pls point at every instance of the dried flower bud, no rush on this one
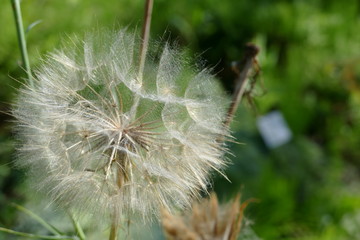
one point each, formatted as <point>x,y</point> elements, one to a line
<point>207,221</point>
<point>98,138</point>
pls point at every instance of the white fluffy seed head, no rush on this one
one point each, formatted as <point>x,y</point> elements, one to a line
<point>99,139</point>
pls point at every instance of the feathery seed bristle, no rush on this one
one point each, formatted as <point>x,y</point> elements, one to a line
<point>99,139</point>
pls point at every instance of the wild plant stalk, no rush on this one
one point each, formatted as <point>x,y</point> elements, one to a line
<point>113,231</point>
<point>145,35</point>
<point>21,38</point>
<point>242,80</point>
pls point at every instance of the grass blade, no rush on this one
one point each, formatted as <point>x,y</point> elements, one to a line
<point>29,235</point>
<point>37,218</point>
<point>78,228</point>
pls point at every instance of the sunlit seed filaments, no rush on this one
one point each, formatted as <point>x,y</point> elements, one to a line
<point>101,140</point>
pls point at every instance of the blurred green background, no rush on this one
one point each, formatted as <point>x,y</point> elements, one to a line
<point>308,188</point>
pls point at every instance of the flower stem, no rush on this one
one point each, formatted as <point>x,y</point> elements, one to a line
<point>113,231</point>
<point>145,35</point>
<point>115,221</point>
<point>21,38</point>
<point>242,80</point>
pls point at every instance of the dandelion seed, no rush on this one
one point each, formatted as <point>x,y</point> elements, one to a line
<point>99,139</point>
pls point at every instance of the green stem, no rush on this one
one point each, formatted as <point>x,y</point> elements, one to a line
<point>21,38</point>
<point>78,228</point>
<point>145,35</point>
<point>38,219</point>
<point>29,235</point>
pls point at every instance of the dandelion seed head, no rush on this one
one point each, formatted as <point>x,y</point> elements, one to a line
<point>99,138</point>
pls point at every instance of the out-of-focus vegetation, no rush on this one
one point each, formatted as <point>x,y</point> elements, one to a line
<point>310,59</point>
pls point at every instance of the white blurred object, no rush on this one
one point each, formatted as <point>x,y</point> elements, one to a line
<point>274,129</point>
